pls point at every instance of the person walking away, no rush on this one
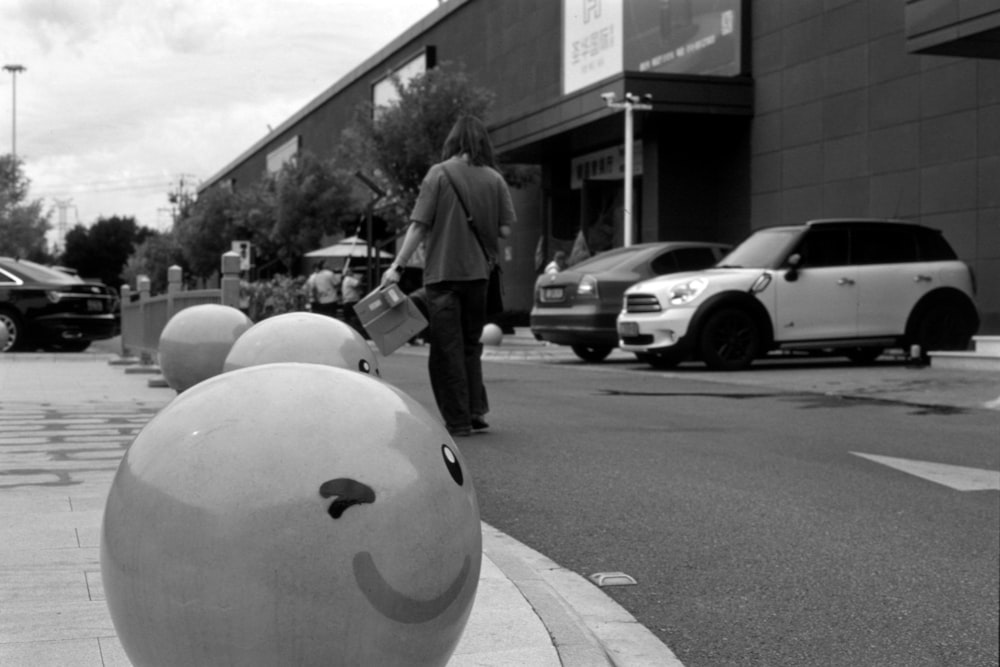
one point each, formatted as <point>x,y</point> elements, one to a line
<point>457,268</point>
<point>325,292</point>
<point>558,262</point>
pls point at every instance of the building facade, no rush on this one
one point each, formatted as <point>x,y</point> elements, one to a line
<point>745,114</point>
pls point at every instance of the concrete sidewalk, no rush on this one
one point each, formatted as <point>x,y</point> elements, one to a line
<point>65,420</point>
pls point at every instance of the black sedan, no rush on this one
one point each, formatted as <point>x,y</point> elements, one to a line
<point>47,308</point>
<point>578,306</point>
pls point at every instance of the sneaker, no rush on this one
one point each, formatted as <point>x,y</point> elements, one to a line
<point>479,424</point>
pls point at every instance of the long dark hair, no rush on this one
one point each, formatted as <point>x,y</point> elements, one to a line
<point>469,135</point>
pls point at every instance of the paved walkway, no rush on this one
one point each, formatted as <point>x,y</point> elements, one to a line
<point>65,420</point>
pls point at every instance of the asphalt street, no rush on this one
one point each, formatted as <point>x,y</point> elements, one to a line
<point>744,506</point>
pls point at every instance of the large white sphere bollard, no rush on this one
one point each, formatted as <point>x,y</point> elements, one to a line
<point>291,514</point>
<point>304,337</point>
<point>195,341</point>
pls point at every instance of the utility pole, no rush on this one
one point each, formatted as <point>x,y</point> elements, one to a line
<point>630,104</point>
<point>62,205</point>
<point>14,71</point>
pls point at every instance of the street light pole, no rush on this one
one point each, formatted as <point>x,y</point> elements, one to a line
<point>630,104</point>
<point>14,71</point>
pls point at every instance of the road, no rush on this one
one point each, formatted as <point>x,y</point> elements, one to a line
<point>756,531</point>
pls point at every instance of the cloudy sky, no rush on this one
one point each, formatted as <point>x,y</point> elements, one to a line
<point>121,99</point>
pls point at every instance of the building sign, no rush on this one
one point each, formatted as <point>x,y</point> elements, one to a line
<point>592,42</point>
<point>605,165</point>
<point>602,38</point>
<point>683,36</point>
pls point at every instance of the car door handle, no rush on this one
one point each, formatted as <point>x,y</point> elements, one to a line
<point>921,278</point>
<point>845,281</point>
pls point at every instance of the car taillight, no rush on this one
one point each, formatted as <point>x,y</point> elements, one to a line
<point>587,287</point>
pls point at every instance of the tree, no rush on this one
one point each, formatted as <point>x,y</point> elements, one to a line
<point>315,199</point>
<point>398,144</point>
<point>284,216</point>
<point>23,225</point>
<point>152,258</point>
<point>207,229</point>
<point>101,251</point>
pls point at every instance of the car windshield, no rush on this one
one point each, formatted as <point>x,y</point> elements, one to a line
<point>38,273</point>
<point>764,249</point>
<point>608,260</point>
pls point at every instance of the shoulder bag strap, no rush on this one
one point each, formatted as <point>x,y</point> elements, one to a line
<point>468,216</point>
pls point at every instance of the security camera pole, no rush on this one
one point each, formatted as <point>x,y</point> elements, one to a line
<point>14,71</point>
<point>630,104</point>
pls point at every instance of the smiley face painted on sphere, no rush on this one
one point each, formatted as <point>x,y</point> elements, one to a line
<point>380,593</point>
<point>306,338</point>
<point>327,512</point>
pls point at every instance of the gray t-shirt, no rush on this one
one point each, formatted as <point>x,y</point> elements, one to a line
<point>452,250</point>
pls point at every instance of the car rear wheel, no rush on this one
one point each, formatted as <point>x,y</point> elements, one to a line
<point>15,331</point>
<point>729,340</point>
<point>660,360</point>
<point>593,353</point>
<point>945,326</point>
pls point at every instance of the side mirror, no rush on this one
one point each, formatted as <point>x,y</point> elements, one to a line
<point>793,267</point>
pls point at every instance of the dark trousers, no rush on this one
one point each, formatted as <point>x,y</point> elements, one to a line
<point>456,316</point>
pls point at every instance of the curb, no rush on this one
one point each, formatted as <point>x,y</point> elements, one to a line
<point>588,628</point>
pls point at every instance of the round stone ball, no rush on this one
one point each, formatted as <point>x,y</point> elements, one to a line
<point>492,335</point>
<point>306,338</point>
<point>291,514</point>
<point>195,341</point>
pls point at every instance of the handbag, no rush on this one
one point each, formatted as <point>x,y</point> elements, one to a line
<point>494,288</point>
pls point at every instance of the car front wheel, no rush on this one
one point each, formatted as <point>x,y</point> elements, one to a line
<point>730,340</point>
<point>593,353</point>
<point>15,331</point>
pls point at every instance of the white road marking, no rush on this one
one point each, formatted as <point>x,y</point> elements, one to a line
<point>959,478</point>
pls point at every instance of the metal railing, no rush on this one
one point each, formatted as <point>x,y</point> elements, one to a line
<point>144,318</point>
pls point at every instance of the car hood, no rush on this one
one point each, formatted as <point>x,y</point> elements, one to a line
<point>730,278</point>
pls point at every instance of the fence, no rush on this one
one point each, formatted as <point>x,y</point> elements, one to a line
<point>143,319</point>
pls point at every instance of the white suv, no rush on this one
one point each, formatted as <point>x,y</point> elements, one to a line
<point>852,286</point>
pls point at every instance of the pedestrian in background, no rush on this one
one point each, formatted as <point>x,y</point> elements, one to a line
<point>324,290</point>
<point>351,292</point>
<point>558,262</point>
<point>460,251</point>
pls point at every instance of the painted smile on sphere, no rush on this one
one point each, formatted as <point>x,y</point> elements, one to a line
<point>380,593</point>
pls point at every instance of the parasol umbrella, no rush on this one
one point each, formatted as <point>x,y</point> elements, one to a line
<point>352,246</point>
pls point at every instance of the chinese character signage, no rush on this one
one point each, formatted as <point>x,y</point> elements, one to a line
<point>602,38</point>
<point>592,42</point>
<point>683,36</point>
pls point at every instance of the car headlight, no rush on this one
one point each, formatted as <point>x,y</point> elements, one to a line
<point>587,287</point>
<point>686,292</point>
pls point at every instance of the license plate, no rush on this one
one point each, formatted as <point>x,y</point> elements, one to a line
<point>95,306</point>
<point>552,293</point>
<point>628,329</point>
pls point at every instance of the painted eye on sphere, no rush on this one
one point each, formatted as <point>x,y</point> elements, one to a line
<point>451,462</point>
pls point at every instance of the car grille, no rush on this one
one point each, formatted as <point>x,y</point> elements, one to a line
<point>641,303</point>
